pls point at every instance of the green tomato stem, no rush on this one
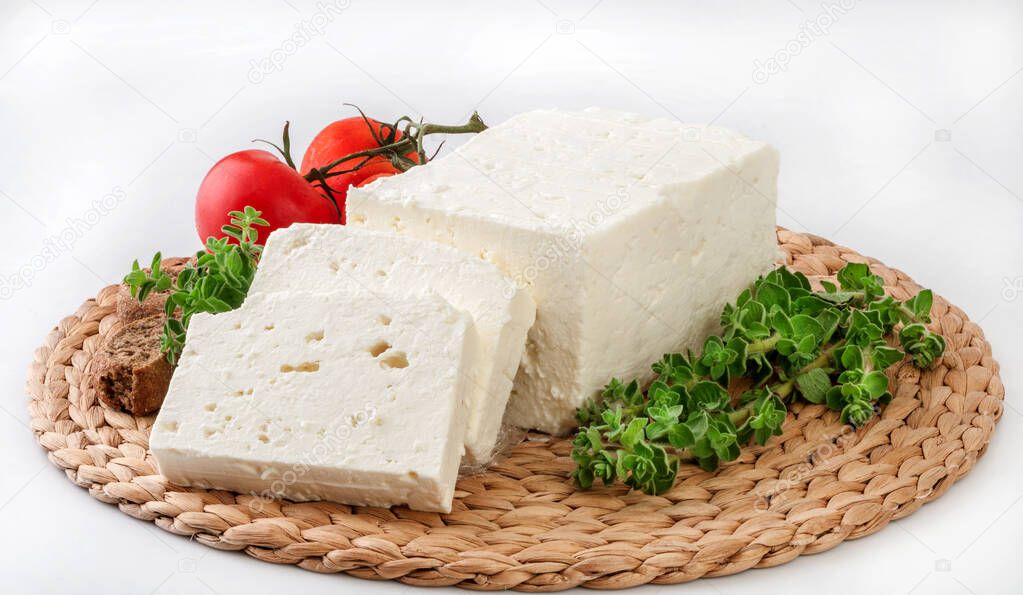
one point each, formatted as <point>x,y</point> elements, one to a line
<point>412,140</point>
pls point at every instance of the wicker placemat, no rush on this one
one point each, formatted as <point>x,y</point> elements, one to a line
<point>521,525</point>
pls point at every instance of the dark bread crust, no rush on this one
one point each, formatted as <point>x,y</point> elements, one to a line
<point>129,309</point>
<point>130,372</point>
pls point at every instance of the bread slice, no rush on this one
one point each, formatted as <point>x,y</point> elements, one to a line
<point>130,372</point>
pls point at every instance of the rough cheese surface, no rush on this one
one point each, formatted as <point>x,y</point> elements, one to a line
<point>331,396</point>
<point>629,232</point>
<point>330,257</point>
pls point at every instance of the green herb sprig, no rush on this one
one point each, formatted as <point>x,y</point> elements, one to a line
<point>217,281</point>
<point>787,341</point>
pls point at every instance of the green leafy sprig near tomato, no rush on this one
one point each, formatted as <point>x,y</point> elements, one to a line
<point>217,280</point>
<point>785,340</point>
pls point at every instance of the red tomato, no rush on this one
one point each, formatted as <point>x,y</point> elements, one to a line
<point>258,179</point>
<point>342,138</point>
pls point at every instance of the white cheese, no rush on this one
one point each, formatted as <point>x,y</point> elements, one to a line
<point>336,396</point>
<point>630,233</point>
<point>329,257</point>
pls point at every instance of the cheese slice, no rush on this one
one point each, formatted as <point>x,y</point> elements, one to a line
<point>629,232</point>
<point>338,396</point>
<point>329,257</point>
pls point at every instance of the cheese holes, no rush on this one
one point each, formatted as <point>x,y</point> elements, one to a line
<point>336,264</point>
<point>379,347</point>
<point>357,420</point>
<point>388,359</point>
<point>303,367</point>
<point>394,359</point>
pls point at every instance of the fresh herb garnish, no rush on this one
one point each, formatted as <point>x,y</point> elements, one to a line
<point>217,281</point>
<point>785,341</point>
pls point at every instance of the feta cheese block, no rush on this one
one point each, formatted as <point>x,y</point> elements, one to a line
<point>630,233</point>
<point>332,257</point>
<point>322,396</point>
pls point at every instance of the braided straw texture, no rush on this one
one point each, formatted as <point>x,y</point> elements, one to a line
<point>521,524</point>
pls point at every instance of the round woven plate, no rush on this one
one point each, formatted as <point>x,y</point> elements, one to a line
<point>521,524</point>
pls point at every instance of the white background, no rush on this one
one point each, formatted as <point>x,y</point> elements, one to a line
<point>899,126</point>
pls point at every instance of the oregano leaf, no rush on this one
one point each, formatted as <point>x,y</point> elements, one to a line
<point>813,385</point>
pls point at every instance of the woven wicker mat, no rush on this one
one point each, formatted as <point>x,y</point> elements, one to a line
<point>521,525</point>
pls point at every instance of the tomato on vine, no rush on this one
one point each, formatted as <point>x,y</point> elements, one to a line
<point>258,179</point>
<point>346,137</point>
<point>349,152</point>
